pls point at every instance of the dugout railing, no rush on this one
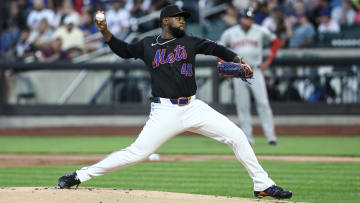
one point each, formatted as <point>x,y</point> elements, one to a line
<point>133,108</point>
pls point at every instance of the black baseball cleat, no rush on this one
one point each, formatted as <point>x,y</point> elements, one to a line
<point>272,143</point>
<point>68,180</point>
<point>275,192</point>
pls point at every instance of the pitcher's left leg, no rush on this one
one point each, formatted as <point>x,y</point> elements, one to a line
<point>263,108</point>
<point>206,121</point>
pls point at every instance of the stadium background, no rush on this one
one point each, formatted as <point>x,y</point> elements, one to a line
<point>58,89</point>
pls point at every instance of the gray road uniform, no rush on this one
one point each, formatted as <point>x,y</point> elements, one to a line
<point>250,45</point>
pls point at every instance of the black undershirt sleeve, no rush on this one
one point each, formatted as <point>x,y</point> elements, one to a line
<point>125,50</point>
<point>136,49</point>
<point>208,47</point>
<point>119,47</point>
<point>224,53</point>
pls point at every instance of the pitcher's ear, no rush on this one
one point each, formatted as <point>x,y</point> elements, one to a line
<point>164,21</point>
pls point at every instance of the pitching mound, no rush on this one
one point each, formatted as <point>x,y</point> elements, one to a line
<point>99,195</point>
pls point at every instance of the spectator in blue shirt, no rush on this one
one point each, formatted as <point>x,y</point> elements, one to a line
<point>303,34</point>
<point>88,26</point>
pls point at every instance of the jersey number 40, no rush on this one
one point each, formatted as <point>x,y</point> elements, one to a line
<point>187,70</point>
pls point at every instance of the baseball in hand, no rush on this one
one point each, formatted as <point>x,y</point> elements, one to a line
<point>99,17</point>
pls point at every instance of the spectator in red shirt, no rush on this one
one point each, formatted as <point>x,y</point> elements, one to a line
<point>53,53</point>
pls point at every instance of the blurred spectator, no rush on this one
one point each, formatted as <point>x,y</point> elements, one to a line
<point>281,30</point>
<point>53,52</point>
<point>335,3</point>
<point>230,17</point>
<point>38,13</point>
<point>327,25</point>
<point>88,27</point>
<point>282,17</point>
<point>158,4</point>
<point>78,5</point>
<point>241,4</point>
<point>261,11</point>
<point>12,24</point>
<point>138,8</point>
<point>344,14</point>
<point>23,47</point>
<point>118,19</point>
<point>303,34</point>
<point>318,92</point>
<point>287,6</point>
<point>14,16</point>
<point>300,9</point>
<point>275,22</point>
<point>271,21</point>
<point>25,8</point>
<point>357,17</point>
<point>9,39</point>
<point>53,4</point>
<point>66,9</point>
<point>70,35</point>
<point>320,5</point>
<point>41,36</point>
<point>82,6</point>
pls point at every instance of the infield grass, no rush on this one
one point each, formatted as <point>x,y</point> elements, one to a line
<point>310,182</point>
<point>335,146</point>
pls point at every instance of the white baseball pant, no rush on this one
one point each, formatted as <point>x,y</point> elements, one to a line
<point>166,121</point>
<point>243,105</point>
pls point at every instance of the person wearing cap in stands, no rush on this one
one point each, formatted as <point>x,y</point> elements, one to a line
<point>70,34</point>
<point>327,25</point>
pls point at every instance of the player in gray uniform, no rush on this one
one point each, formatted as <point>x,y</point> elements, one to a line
<point>247,40</point>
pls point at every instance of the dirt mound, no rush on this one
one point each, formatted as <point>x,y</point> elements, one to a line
<point>99,195</point>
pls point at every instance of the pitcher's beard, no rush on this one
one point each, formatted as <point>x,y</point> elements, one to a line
<point>176,32</point>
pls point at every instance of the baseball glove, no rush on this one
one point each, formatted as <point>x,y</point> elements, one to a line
<point>237,70</point>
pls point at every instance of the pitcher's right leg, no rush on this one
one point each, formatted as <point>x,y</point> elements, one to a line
<point>162,125</point>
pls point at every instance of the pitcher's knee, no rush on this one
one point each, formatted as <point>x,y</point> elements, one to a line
<point>237,137</point>
<point>242,138</point>
<point>136,155</point>
<point>139,156</point>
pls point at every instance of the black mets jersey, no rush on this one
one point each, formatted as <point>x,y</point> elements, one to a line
<point>171,62</point>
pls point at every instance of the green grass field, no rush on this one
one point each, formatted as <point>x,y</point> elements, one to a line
<point>335,146</point>
<point>310,182</point>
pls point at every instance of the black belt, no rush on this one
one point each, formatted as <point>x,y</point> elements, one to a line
<point>178,101</point>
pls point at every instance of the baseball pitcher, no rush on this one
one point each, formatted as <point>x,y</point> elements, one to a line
<point>170,59</point>
<point>247,40</point>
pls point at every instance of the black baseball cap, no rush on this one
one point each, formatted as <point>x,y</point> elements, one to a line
<point>247,13</point>
<point>172,11</point>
